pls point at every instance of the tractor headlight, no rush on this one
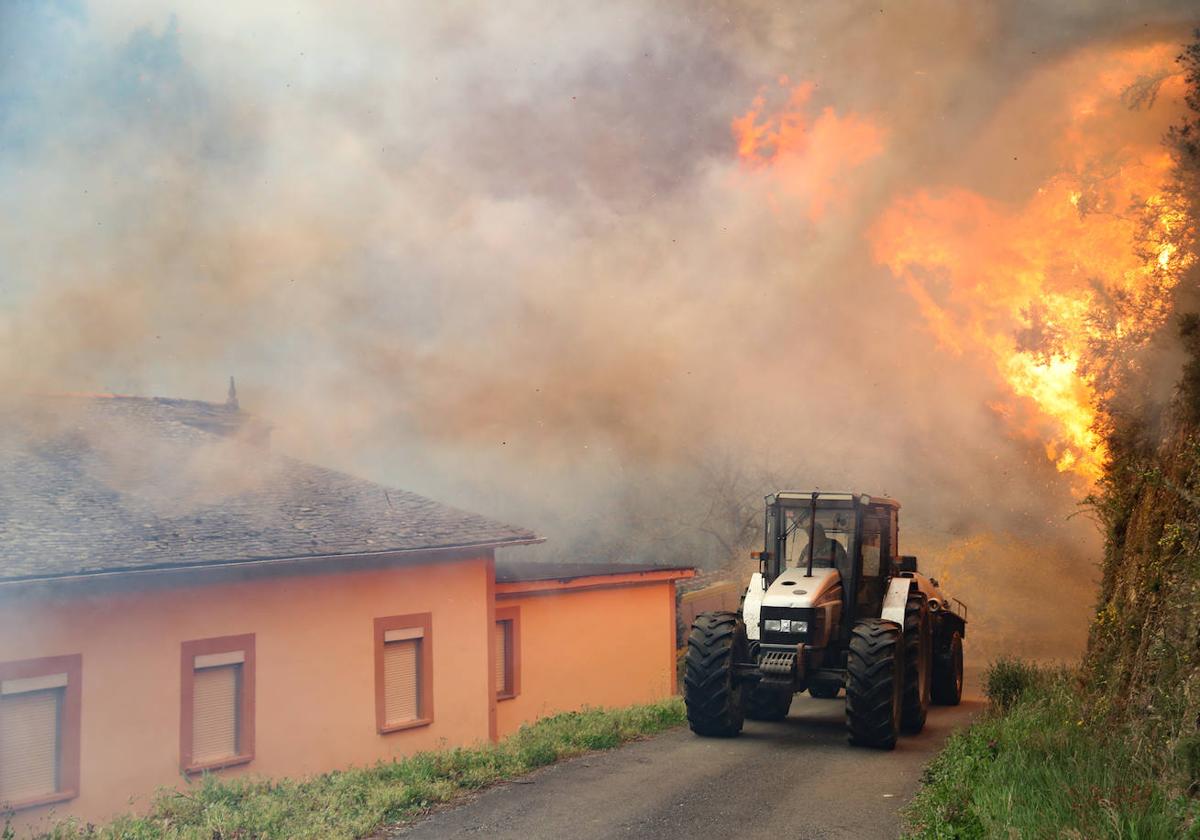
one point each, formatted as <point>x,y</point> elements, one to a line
<point>784,625</point>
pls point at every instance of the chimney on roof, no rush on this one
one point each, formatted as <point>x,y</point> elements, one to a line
<point>232,401</point>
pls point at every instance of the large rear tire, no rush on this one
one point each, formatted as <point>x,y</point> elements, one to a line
<point>875,678</point>
<point>948,673</point>
<point>712,696</point>
<point>767,704</point>
<point>918,656</point>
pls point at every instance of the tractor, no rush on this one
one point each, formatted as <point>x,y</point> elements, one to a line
<point>833,605</point>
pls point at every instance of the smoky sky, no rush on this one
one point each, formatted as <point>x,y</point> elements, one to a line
<point>505,254</point>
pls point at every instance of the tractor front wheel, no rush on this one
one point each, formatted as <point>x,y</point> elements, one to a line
<point>875,679</point>
<point>918,653</point>
<point>766,704</point>
<point>948,673</point>
<point>711,694</point>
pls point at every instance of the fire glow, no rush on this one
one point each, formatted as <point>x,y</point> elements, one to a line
<point>1046,287</point>
<point>807,157</point>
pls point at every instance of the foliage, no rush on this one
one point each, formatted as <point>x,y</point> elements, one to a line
<point>1189,383</point>
<point>1046,767</point>
<point>1113,751</point>
<point>1185,137</point>
<point>1009,679</point>
<point>358,802</point>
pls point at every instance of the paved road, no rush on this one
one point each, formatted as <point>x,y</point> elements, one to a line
<point>794,779</point>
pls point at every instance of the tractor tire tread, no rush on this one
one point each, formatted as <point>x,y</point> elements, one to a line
<point>947,678</point>
<point>711,697</point>
<point>916,698</point>
<point>870,683</point>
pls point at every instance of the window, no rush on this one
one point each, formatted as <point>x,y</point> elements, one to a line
<point>833,534</point>
<point>872,544</point>
<point>39,731</point>
<point>217,703</point>
<point>403,672</point>
<point>507,639</point>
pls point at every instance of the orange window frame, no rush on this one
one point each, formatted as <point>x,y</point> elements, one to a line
<point>424,621</point>
<point>511,616</point>
<point>70,716</point>
<point>187,674</point>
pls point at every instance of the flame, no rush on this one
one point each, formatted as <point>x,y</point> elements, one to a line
<point>806,157</point>
<point>1048,287</point>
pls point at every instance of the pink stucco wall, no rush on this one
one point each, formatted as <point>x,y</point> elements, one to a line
<point>603,646</point>
<point>315,668</point>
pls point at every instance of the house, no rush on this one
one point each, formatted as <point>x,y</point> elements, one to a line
<point>177,599</point>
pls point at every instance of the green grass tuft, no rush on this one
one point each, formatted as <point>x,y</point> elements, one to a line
<point>358,802</point>
<point>1008,680</point>
<point>1036,766</point>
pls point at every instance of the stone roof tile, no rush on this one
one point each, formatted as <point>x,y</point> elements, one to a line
<point>124,484</point>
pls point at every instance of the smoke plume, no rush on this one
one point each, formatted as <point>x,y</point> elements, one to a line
<point>519,256</point>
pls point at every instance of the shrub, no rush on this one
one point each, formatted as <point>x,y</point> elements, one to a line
<point>1008,680</point>
<point>1187,751</point>
<point>1040,770</point>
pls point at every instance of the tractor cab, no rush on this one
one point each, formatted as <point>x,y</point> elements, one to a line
<point>818,533</point>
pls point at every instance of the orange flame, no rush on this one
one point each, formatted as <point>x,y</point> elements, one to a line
<point>1045,288</point>
<point>1087,262</point>
<point>806,157</point>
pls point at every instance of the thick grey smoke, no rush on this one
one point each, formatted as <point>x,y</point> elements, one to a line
<point>504,254</point>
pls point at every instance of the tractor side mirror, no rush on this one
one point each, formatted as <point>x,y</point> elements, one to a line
<point>763,558</point>
<point>908,563</point>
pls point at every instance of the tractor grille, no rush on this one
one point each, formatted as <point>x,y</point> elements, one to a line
<point>777,663</point>
<point>795,614</point>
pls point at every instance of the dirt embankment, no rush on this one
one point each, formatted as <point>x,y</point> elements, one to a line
<point>1143,660</point>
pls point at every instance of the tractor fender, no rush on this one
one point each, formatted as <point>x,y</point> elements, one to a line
<point>896,600</point>
<point>752,604</point>
<point>952,610</point>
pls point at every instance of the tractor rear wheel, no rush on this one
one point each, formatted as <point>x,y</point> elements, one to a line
<point>712,696</point>
<point>766,704</point>
<point>824,690</point>
<point>948,673</point>
<point>918,653</point>
<point>875,678</point>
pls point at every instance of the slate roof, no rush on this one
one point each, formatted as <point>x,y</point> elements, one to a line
<point>516,571</point>
<point>121,484</point>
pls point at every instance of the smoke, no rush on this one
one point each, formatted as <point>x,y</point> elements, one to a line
<point>508,256</point>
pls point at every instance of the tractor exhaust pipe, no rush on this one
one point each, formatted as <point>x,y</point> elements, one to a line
<point>812,532</point>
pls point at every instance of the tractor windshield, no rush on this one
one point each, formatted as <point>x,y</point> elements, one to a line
<point>833,533</point>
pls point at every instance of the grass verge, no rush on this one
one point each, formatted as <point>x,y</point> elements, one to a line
<point>359,802</point>
<point>1035,766</point>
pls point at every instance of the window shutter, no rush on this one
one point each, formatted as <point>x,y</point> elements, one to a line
<point>29,744</point>
<point>401,660</point>
<point>216,695</point>
<point>502,655</point>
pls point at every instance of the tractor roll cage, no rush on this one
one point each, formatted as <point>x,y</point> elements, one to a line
<point>777,505</point>
<point>859,505</point>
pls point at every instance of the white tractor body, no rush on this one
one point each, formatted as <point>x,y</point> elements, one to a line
<point>833,607</point>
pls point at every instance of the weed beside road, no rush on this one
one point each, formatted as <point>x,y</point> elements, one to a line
<point>1039,765</point>
<point>359,802</point>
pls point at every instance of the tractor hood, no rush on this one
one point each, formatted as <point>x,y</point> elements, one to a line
<point>793,589</point>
